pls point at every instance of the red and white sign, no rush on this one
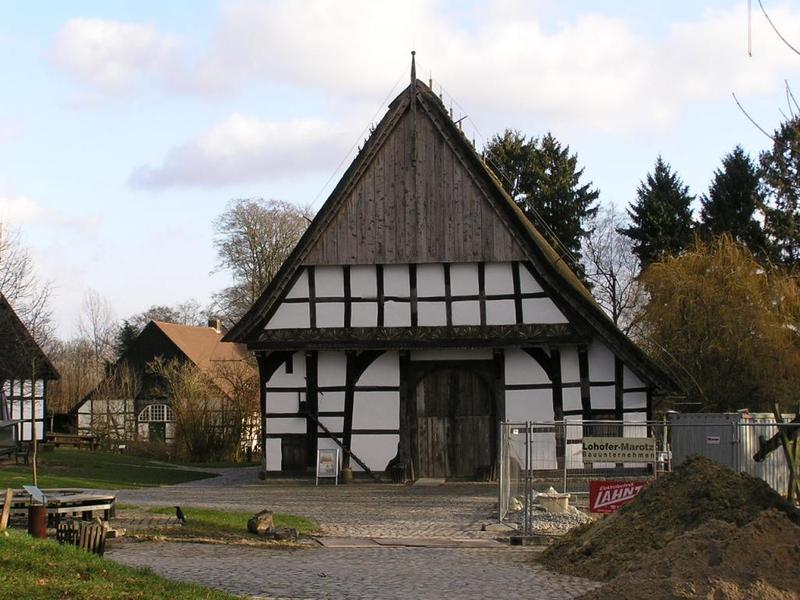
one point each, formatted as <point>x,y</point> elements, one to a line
<point>609,496</point>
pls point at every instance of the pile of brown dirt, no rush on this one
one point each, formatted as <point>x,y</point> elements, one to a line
<point>697,492</point>
<point>718,560</point>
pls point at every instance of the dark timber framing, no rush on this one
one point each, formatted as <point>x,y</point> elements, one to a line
<point>312,406</point>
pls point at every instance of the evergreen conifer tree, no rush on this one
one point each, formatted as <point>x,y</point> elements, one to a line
<point>732,202</point>
<point>780,173</point>
<point>543,178</point>
<point>661,219</point>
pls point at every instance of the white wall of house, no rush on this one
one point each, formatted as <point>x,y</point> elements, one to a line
<point>26,403</point>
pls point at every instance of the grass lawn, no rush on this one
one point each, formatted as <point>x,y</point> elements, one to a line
<point>205,522</point>
<point>69,467</point>
<point>45,570</point>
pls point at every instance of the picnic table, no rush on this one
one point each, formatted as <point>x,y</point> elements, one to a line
<point>66,502</point>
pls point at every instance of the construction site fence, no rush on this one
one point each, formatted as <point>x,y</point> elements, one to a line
<point>537,456</point>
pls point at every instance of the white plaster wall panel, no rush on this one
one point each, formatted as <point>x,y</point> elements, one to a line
<point>329,281</point>
<point>499,279</point>
<point>541,310</point>
<point>329,401</point>
<point>634,400</point>
<point>300,287</point>
<point>363,282</point>
<point>326,443</point>
<point>376,410</point>
<point>364,314</point>
<point>635,430</point>
<point>274,454</point>
<point>574,456</point>
<point>529,405</point>
<point>375,450</point>
<point>570,371</point>
<point>331,368</point>
<point>293,315</point>
<point>571,398</point>
<point>451,354</point>
<point>283,402</point>
<point>286,425</point>
<point>574,428</point>
<point>330,314</point>
<point>430,280</point>
<point>500,312</point>
<point>397,314</point>
<point>84,417</point>
<point>26,431</point>
<point>630,378</point>
<point>169,431</point>
<point>297,378</point>
<point>384,370</point>
<point>527,283</point>
<point>521,368</point>
<point>334,424</point>
<point>431,314</point>
<point>464,279</point>
<point>467,312</point>
<point>601,362</point>
<point>602,397</point>
<point>395,281</point>
<point>143,430</point>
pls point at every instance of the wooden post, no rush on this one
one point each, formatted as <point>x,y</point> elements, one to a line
<point>6,508</point>
<point>33,421</point>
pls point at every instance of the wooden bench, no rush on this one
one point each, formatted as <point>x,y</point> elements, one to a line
<point>71,439</point>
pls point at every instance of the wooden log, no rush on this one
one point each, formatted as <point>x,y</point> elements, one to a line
<point>765,446</point>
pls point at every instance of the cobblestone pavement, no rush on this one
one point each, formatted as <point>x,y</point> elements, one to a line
<point>348,512</point>
<point>345,573</point>
<point>355,510</point>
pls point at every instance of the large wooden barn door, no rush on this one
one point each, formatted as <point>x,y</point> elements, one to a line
<point>455,423</point>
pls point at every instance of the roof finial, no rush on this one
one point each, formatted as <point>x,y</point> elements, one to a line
<point>413,68</point>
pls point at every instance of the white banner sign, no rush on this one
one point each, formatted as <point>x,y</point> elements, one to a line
<point>618,449</point>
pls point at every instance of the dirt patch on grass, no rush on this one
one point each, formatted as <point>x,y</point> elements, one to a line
<point>697,492</point>
<point>718,560</point>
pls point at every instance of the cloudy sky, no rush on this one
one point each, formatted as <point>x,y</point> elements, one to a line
<point>125,127</point>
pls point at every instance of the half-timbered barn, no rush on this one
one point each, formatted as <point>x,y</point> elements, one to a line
<point>25,372</point>
<point>421,308</point>
<point>132,402</point>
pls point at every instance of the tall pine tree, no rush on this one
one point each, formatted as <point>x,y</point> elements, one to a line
<point>780,173</point>
<point>661,220</point>
<point>732,201</point>
<point>543,178</point>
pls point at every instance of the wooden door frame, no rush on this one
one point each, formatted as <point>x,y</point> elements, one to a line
<point>490,371</point>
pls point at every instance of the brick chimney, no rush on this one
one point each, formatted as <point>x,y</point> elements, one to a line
<point>216,325</point>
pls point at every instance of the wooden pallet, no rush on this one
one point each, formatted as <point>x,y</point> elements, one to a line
<point>86,535</point>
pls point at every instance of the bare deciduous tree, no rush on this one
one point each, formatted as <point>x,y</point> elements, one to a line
<point>612,268</point>
<point>253,238</point>
<point>75,361</point>
<point>27,294</point>
<point>113,417</point>
<point>98,326</point>
<point>209,423</point>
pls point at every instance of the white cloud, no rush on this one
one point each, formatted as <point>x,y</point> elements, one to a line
<point>593,71</point>
<point>18,210</point>
<point>243,148</point>
<point>113,56</point>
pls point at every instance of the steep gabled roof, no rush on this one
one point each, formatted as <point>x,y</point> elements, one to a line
<point>565,288</point>
<point>19,352</point>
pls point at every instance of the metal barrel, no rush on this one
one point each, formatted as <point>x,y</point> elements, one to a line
<point>37,521</point>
